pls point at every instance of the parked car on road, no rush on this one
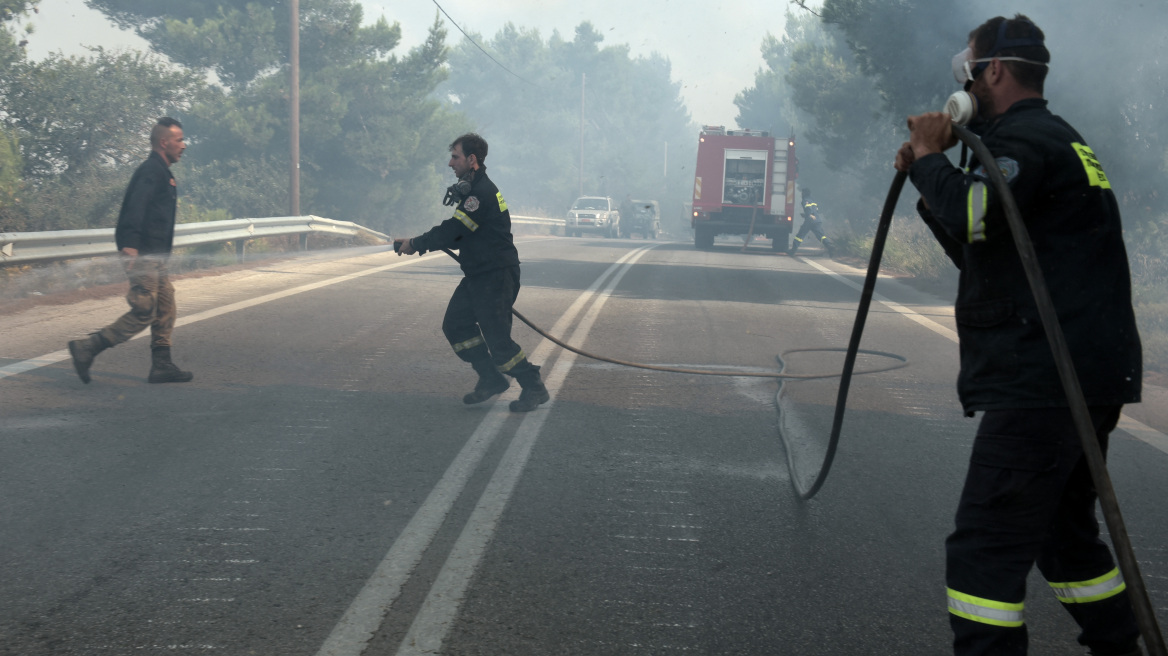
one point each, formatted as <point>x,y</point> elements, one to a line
<point>593,214</point>
<point>645,219</point>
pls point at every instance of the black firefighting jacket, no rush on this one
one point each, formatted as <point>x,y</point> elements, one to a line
<point>1073,220</point>
<point>480,229</point>
<point>146,221</point>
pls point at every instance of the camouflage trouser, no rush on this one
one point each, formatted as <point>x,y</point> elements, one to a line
<point>151,300</point>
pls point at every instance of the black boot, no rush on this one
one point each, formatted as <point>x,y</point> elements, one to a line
<point>533,394</point>
<point>165,371</point>
<point>491,382</point>
<point>84,351</point>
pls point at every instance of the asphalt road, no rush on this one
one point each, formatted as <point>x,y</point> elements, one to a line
<point>321,489</point>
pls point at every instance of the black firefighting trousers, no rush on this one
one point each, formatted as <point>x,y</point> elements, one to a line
<point>810,225</point>
<point>478,321</point>
<point>1029,499</point>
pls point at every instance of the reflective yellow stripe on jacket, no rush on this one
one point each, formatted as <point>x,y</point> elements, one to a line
<point>978,198</point>
<point>466,220</point>
<point>986,611</point>
<point>1097,589</point>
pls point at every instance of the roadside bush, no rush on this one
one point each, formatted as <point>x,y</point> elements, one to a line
<point>910,249</point>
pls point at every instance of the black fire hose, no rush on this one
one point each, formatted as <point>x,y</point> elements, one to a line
<point>1142,605</point>
<point>901,361</point>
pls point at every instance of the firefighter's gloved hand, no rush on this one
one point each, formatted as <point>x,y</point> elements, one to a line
<point>404,246</point>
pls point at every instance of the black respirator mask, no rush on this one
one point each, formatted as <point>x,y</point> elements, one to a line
<point>962,105</point>
<point>456,192</point>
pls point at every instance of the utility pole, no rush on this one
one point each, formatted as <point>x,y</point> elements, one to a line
<point>665,172</point>
<point>294,118</point>
<point>583,78</point>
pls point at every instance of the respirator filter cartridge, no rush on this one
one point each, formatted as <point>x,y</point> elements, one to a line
<point>961,107</point>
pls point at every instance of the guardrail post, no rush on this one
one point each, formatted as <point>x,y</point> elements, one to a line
<point>304,241</point>
<point>240,245</point>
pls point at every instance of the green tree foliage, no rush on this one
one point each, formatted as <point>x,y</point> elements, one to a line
<point>237,40</point>
<point>11,9</point>
<point>373,139</point>
<point>812,84</point>
<point>83,123</point>
<point>11,174</point>
<point>530,112</point>
<point>848,78</point>
<point>905,46</point>
<point>75,113</point>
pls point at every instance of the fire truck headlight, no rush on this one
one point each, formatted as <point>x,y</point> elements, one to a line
<point>695,214</point>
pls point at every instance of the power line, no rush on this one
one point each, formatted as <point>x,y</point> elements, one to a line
<point>468,38</point>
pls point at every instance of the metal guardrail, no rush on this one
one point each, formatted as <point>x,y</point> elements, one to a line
<point>75,244</point>
<point>535,220</point>
<point>25,247</point>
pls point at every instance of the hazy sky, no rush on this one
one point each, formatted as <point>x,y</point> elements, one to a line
<point>713,45</point>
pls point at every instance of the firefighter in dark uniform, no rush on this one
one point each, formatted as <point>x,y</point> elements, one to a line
<point>811,223</point>
<point>1028,496</point>
<point>144,237</point>
<point>478,317</point>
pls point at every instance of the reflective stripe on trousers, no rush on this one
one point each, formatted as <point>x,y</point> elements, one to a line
<point>985,611</point>
<point>510,364</point>
<point>1096,589</point>
<point>468,344</point>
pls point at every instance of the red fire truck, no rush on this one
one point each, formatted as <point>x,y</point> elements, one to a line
<point>744,184</point>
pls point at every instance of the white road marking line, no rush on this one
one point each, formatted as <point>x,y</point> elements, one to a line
<point>1144,433</point>
<point>944,331</point>
<point>356,627</point>
<point>58,356</point>
<point>434,620</point>
<point>1132,427</point>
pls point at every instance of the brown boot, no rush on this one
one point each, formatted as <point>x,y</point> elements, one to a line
<point>165,371</point>
<point>84,351</point>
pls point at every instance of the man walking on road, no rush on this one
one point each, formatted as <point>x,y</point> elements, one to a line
<point>1028,497</point>
<point>478,317</point>
<point>144,236</point>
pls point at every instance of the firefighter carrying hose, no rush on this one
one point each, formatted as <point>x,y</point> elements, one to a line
<point>811,223</point>
<point>1028,497</point>
<point>478,317</point>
